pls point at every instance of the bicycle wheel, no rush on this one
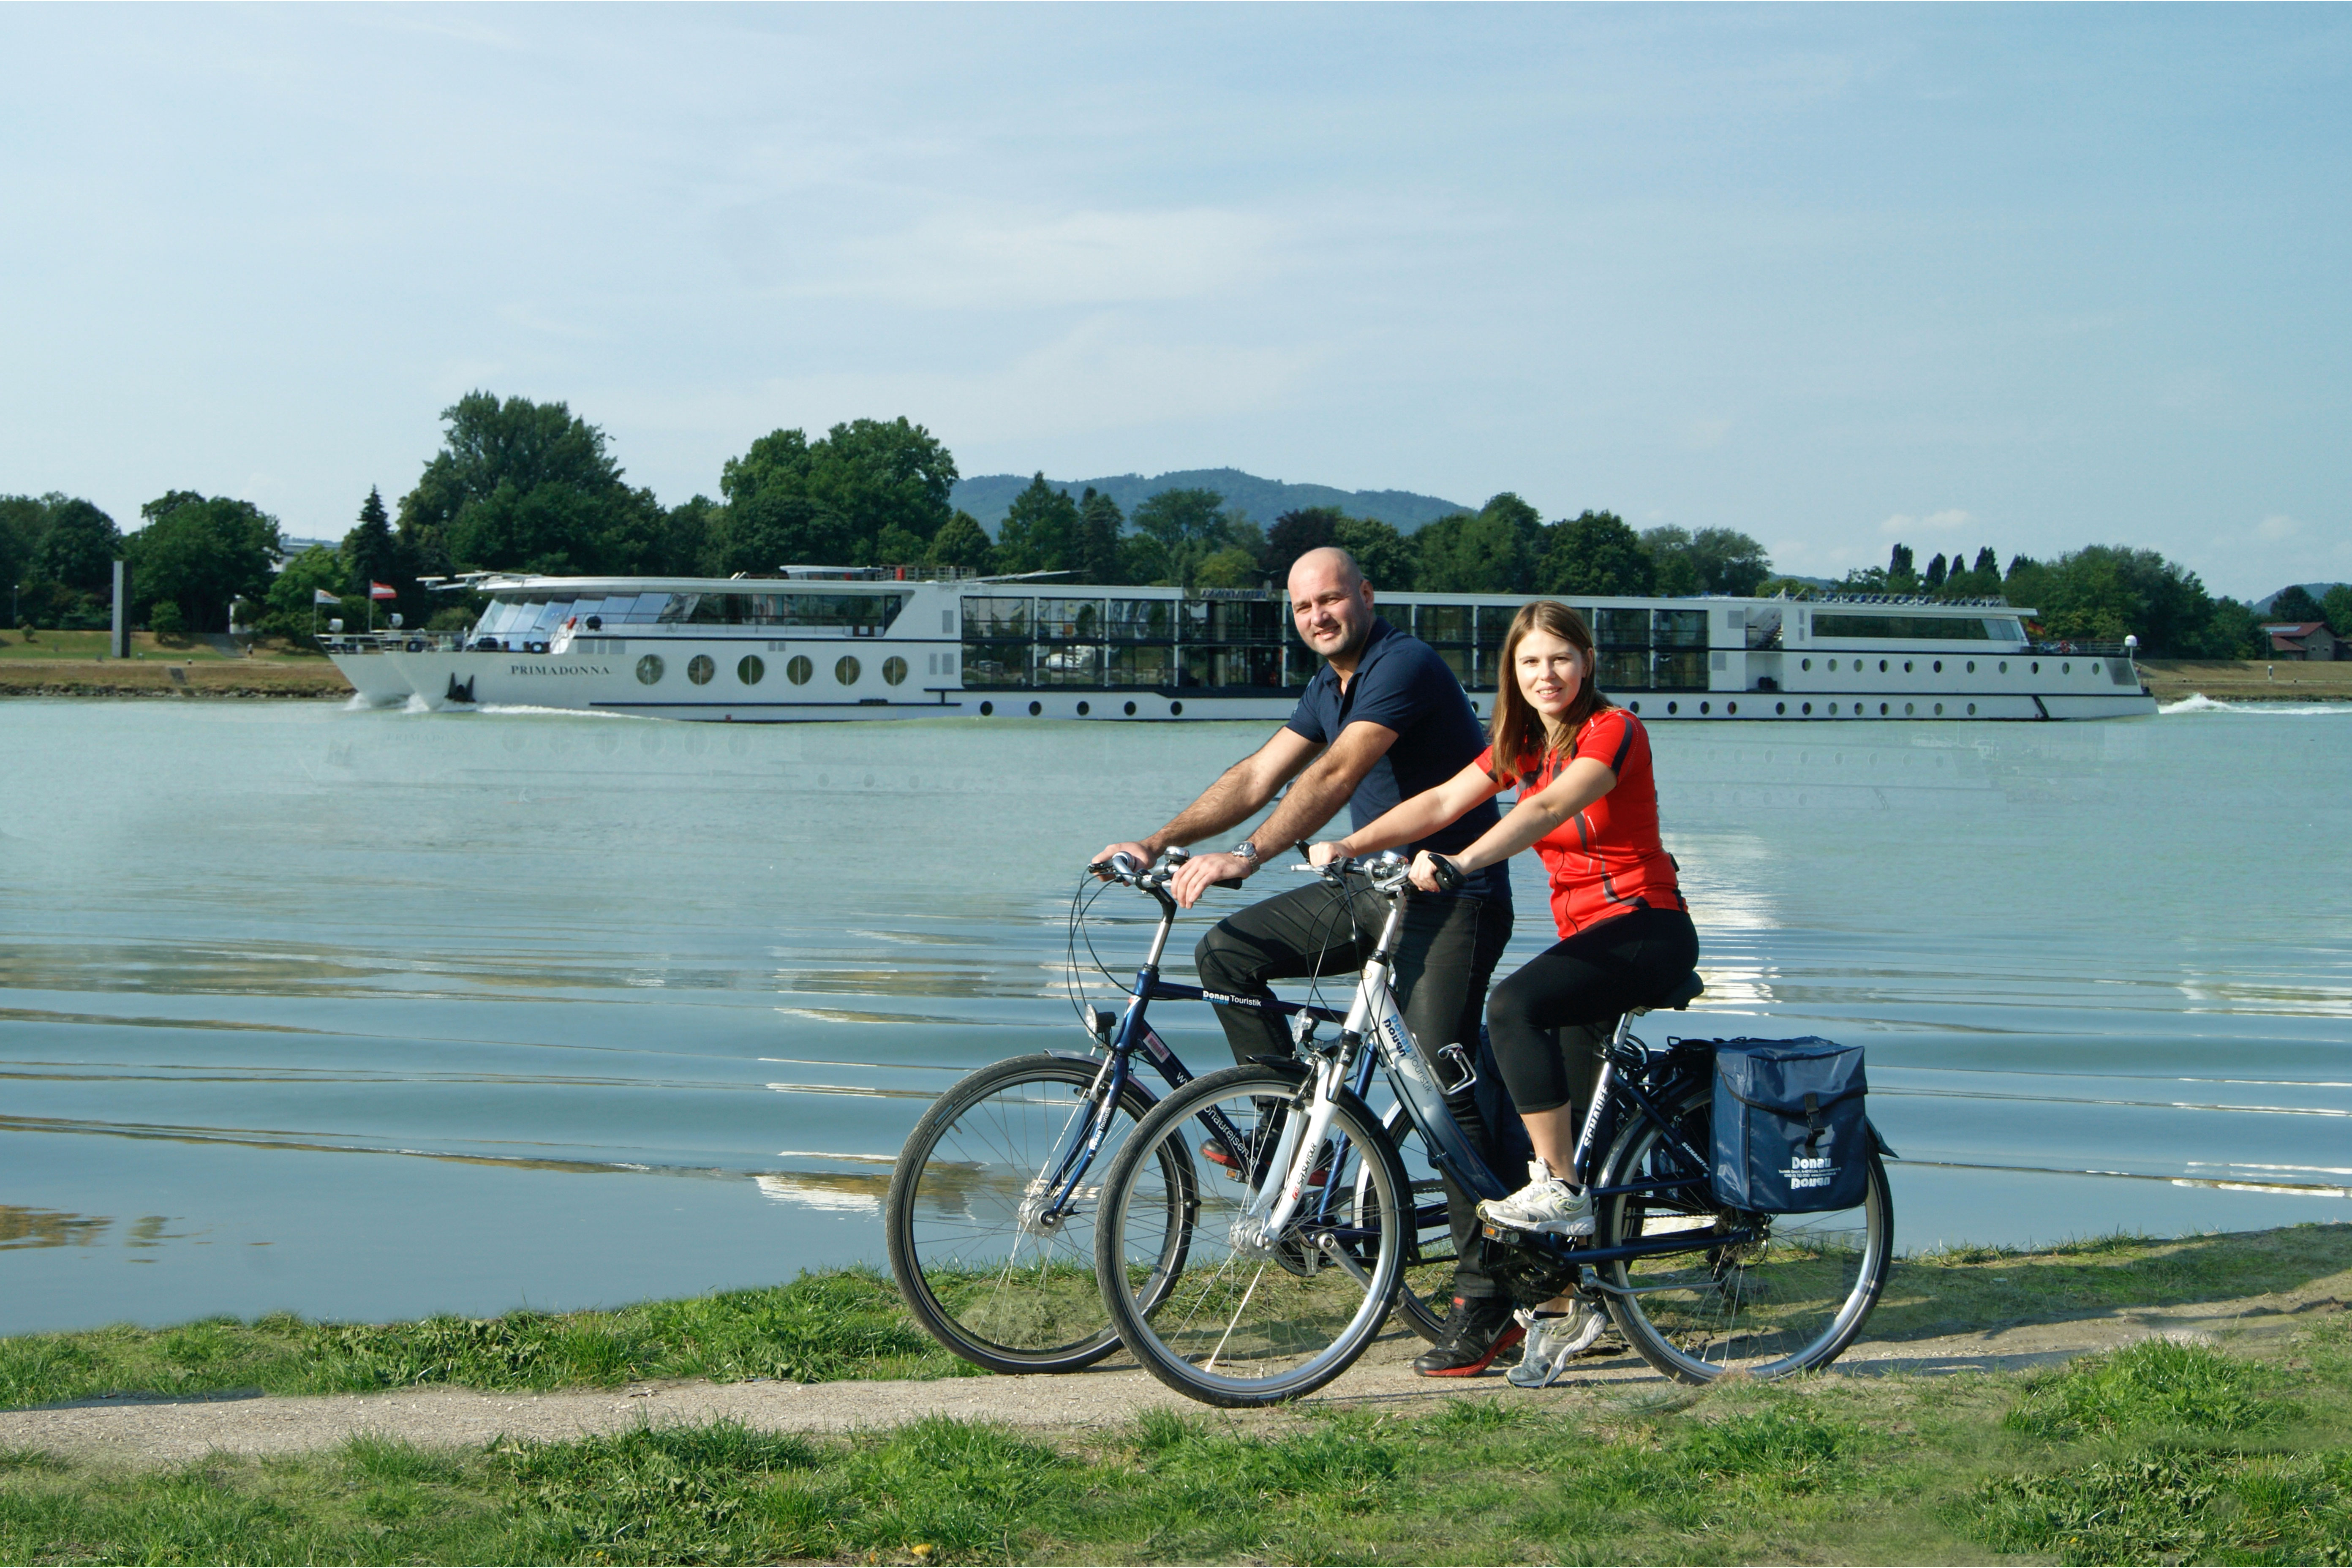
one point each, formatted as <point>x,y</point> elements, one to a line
<point>976,1268</point>
<point>1247,1320</point>
<point>1790,1301</point>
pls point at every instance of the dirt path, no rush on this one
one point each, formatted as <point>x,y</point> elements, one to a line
<point>145,1431</point>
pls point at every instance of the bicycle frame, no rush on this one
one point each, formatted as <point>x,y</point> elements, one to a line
<point>1134,1033</point>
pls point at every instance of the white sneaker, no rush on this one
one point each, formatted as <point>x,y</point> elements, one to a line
<point>1554,1339</point>
<point>1547,1206</point>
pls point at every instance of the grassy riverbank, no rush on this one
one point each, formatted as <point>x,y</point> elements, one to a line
<point>74,664</point>
<point>2162,1451</point>
<point>2248,680</point>
<point>2230,1448</point>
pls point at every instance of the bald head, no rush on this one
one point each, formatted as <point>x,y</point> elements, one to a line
<point>1331,606</point>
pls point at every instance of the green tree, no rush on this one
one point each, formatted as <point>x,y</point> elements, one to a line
<point>1669,549</point>
<point>291,598</point>
<point>22,522</point>
<point>1099,525</point>
<point>865,489</point>
<point>2337,607</point>
<point>2103,593</point>
<point>1470,553</point>
<point>1039,532</point>
<point>371,553</point>
<point>523,486</point>
<point>2295,602</point>
<point>78,547</point>
<point>1902,573</point>
<point>1232,567</point>
<point>1177,530</point>
<point>1937,570</point>
<point>684,543</point>
<point>199,553</point>
<point>1383,555</point>
<point>1297,532</point>
<point>961,541</point>
<point>1596,552</point>
<point>2233,632</point>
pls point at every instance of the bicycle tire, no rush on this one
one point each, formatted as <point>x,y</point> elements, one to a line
<point>1320,1294</point>
<point>1790,1302</point>
<point>953,1223</point>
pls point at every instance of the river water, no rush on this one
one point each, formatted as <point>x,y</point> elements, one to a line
<point>367,1014</point>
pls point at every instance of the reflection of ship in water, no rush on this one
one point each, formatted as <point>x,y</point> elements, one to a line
<point>859,1194</point>
<point>836,643</point>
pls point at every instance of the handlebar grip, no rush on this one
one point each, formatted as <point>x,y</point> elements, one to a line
<point>1229,882</point>
<point>1448,875</point>
<point>1124,864</point>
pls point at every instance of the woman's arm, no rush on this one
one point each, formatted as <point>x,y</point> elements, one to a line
<point>1579,785</point>
<point>1417,817</point>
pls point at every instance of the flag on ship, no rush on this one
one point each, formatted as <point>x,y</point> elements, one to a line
<point>382,591</point>
<point>321,596</point>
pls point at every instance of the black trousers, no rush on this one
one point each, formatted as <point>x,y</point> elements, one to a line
<point>1547,1059</point>
<point>1445,956</point>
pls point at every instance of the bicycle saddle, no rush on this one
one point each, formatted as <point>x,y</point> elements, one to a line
<point>1681,994</point>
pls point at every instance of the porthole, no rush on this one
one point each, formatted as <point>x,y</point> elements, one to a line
<point>1939,710</point>
<point>894,670</point>
<point>649,668</point>
<point>700,669</point>
<point>751,669</point>
<point>1703,707</point>
<point>1634,706</point>
<point>1131,710</point>
<point>1882,667</point>
<point>1882,710</point>
<point>1082,710</point>
<point>799,669</point>
<point>1035,708</point>
<point>1808,707</point>
<point>1805,664</point>
<point>846,670</point>
<point>2066,669</point>
<point>1832,710</point>
<point>1833,667</point>
<point>1176,709</point>
<point>1672,708</point>
<point>1906,667</point>
<point>1972,709</point>
<point>1940,666</point>
<point>986,708</point>
<point>2004,667</point>
<point>2037,667</point>
<point>1779,708</point>
<point>1731,708</point>
<point>1972,667</point>
<point>2095,668</point>
<point>1907,709</point>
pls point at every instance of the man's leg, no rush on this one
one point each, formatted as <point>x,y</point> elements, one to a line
<point>1306,930</point>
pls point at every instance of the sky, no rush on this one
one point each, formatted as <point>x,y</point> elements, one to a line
<point>2032,278</point>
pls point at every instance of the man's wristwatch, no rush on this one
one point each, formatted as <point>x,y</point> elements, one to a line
<point>1247,851</point>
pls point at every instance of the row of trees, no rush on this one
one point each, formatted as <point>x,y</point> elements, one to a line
<point>524,486</point>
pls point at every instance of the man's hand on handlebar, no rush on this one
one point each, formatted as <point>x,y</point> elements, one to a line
<point>1201,872</point>
<point>1137,852</point>
<point>1435,873</point>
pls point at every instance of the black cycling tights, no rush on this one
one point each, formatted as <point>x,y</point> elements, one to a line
<point>1591,977</point>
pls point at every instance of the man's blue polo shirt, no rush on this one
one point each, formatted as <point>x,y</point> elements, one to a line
<point>1401,684</point>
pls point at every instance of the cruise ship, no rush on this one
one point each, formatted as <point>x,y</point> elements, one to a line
<point>845,643</point>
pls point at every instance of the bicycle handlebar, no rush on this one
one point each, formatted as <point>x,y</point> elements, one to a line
<point>1149,878</point>
<point>1386,871</point>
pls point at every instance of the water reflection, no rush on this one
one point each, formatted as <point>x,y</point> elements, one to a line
<point>47,1228</point>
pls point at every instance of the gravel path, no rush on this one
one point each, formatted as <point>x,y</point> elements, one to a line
<point>137,1431</point>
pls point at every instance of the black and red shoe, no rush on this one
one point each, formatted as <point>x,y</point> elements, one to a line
<point>1477,1330</point>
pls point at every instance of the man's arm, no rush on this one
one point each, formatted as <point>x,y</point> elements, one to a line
<point>1313,801</point>
<point>1239,790</point>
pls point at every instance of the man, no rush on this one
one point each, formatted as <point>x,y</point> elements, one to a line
<point>1383,720</point>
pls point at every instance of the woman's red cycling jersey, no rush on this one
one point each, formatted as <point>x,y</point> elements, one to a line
<point>1606,860</point>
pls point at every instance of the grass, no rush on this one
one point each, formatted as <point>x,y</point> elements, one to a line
<point>838,1324</point>
<point>90,645</point>
<point>1825,1469</point>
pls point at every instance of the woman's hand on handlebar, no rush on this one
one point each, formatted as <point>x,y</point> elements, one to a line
<point>1321,855</point>
<point>1427,876</point>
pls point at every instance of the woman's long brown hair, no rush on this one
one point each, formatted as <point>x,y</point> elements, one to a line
<point>1518,731</point>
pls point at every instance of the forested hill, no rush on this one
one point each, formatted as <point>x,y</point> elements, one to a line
<point>988,496</point>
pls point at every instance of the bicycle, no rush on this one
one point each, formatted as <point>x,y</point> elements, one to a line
<point>1287,1278</point>
<point>991,1208</point>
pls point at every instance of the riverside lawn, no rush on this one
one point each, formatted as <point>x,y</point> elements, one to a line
<point>2235,1452</point>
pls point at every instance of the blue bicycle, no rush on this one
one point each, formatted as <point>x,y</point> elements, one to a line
<point>993,1200</point>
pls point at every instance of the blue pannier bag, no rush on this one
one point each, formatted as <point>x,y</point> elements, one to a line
<point>1790,1132</point>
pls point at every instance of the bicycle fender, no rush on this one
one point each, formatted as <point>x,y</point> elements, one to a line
<point>1135,1084</point>
<point>1880,1144</point>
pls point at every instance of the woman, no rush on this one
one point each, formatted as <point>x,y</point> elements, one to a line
<point>1589,807</point>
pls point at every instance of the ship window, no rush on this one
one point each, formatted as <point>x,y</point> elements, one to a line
<point>799,669</point>
<point>1972,709</point>
<point>2095,668</point>
<point>845,670</point>
<point>1622,628</point>
<point>2066,669</point>
<point>2004,667</point>
<point>1142,620</point>
<point>1808,707</point>
<point>649,668</point>
<point>1066,620</point>
<point>1807,664</point>
<point>988,620</point>
<point>1882,710</point>
<point>1673,707</point>
<point>1972,667</point>
<point>1906,667</point>
<point>1882,667</point>
<point>1940,666</point>
<point>1833,666</point>
<point>894,670</point>
<point>1442,623</point>
<point>1910,628</point>
<point>699,669</point>
<point>1908,710</point>
<point>751,669</point>
<point>1939,710</point>
<point>1681,628</point>
<point>2037,667</point>
<point>1779,708</point>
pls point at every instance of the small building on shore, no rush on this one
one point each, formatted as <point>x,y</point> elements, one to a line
<point>2306,640</point>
